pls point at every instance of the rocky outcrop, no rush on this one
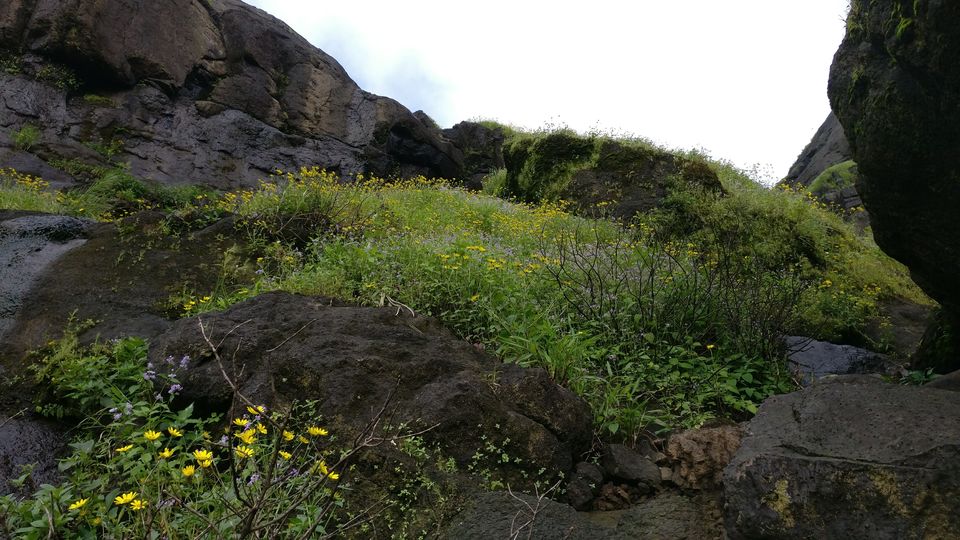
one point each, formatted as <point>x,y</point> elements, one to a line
<point>190,91</point>
<point>355,360</point>
<point>482,150</point>
<point>599,175</point>
<point>849,457</point>
<point>828,147</point>
<point>895,87</point>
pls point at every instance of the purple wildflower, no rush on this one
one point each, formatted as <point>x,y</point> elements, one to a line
<point>117,417</point>
<point>175,387</point>
<point>169,360</point>
<point>185,362</point>
<point>253,479</point>
<point>224,440</point>
<point>149,365</point>
<point>150,375</point>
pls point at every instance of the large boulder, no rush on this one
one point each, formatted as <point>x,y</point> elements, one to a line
<point>895,87</point>
<point>190,91</point>
<point>280,347</point>
<point>849,457</point>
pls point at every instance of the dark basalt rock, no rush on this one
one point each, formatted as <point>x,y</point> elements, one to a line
<point>849,457</point>
<point>827,148</point>
<point>812,359</point>
<point>352,359</point>
<point>895,87</point>
<point>218,93</point>
<point>482,150</point>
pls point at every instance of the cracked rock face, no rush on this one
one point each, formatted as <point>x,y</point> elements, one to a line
<point>849,457</point>
<point>213,92</point>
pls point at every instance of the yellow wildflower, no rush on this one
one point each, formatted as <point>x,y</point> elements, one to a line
<point>206,463</point>
<point>261,428</point>
<point>137,505</point>
<point>302,439</point>
<point>125,498</point>
<point>260,409</point>
<point>247,436</point>
<point>239,422</point>
<point>244,452</point>
<point>285,455</point>
<point>188,470</point>
<point>78,504</point>
<point>287,435</point>
<point>317,431</point>
<point>202,455</point>
<point>151,435</point>
<point>123,449</point>
<point>174,432</point>
<point>166,453</point>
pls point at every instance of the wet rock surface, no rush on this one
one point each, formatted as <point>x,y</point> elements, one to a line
<point>121,277</point>
<point>812,359</point>
<point>355,360</point>
<point>849,457</point>
<point>29,245</point>
<point>26,441</point>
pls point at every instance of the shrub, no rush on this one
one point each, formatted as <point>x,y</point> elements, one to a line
<point>26,137</point>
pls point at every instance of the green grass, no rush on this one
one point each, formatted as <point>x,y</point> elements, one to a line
<point>661,323</point>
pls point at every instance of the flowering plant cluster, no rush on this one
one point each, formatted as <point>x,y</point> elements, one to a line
<point>142,469</point>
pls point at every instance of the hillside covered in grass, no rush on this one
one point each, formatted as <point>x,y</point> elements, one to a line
<point>660,321</point>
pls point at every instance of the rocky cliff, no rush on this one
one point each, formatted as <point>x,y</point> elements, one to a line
<point>895,87</point>
<point>191,91</point>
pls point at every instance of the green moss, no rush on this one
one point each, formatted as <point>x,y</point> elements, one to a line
<point>539,166</point>
<point>835,178</point>
<point>779,501</point>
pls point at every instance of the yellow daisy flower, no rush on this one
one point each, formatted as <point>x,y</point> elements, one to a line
<point>285,455</point>
<point>243,452</point>
<point>166,453</point>
<point>174,432</point>
<point>188,470</point>
<point>202,455</point>
<point>137,505</point>
<point>78,504</point>
<point>125,498</point>
<point>123,449</point>
<point>302,439</point>
<point>257,411</point>
<point>247,436</point>
<point>151,435</point>
<point>317,431</point>
<point>239,422</point>
<point>262,429</point>
<point>206,463</point>
<point>287,435</point>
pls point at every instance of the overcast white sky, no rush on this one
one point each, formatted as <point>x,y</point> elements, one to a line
<point>745,80</point>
